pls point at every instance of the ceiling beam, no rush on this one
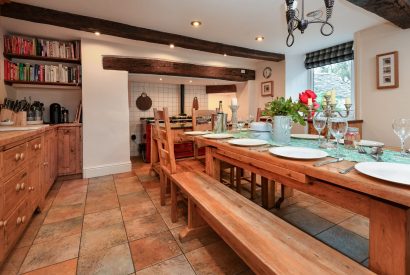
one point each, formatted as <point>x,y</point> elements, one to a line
<point>217,89</point>
<point>159,67</point>
<point>91,24</point>
<point>395,11</point>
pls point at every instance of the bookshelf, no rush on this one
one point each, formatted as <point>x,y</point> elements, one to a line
<point>31,61</point>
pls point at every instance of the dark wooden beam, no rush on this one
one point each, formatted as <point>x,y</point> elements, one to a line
<point>395,11</point>
<point>217,89</point>
<point>91,24</point>
<point>159,67</point>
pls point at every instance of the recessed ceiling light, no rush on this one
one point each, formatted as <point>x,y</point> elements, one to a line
<point>259,38</point>
<point>97,33</point>
<point>225,54</point>
<point>196,23</point>
<point>160,79</point>
<point>190,81</point>
<point>171,46</point>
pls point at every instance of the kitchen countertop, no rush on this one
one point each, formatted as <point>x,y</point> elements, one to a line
<point>9,137</point>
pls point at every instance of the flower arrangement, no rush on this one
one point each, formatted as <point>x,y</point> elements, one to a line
<point>308,97</point>
<point>286,107</point>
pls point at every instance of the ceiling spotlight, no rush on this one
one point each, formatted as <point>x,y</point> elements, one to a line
<point>171,46</point>
<point>190,81</point>
<point>160,79</point>
<point>97,33</point>
<point>225,54</point>
<point>259,38</point>
<point>196,23</point>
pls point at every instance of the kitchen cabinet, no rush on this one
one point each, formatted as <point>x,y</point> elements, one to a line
<point>69,150</point>
<point>49,173</point>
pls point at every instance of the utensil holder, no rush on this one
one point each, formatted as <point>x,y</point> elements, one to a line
<point>6,114</point>
<point>20,118</point>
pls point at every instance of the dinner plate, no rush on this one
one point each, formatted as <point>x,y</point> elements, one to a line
<point>196,133</point>
<point>298,152</point>
<point>305,136</point>
<point>247,142</point>
<point>393,172</point>
<point>365,143</point>
<point>217,136</point>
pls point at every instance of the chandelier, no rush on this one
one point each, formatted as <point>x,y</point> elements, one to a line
<point>292,14</point>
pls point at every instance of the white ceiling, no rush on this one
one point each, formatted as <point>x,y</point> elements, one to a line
<point>235,22</point>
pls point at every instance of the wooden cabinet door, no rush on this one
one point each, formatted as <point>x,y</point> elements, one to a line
<point>69,151</point>
<point>54,156</point>
<point>33,188</point>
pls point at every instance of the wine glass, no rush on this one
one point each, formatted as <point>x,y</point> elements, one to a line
<point>338,128</point>
<point>319,123</point>
<point>401,128</point>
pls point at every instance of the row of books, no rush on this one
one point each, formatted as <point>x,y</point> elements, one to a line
<point>41,73</point>
<point>20,45</point>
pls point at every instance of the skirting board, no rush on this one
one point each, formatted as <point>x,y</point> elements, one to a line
<point>108,169</point>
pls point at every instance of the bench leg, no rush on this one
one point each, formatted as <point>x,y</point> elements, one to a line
<point>238,179</point>
<point>285,192</point>
<point>232,176</point>
<point>268,193</point>
<point>196,227</point>
<point>253,185</point>
<point>174,202</point>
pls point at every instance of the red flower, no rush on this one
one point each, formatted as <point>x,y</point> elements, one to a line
<point>311,94</point>
<point>303,97</point>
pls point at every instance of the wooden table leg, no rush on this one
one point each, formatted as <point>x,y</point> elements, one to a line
<point>285,192</point>
<point>196,227</point>
<point>389,244</point>
<point>253,185</point>
<point>268,193</point>
<point>212,165</point>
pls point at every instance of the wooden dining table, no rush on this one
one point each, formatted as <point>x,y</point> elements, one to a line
<point>386,204</point>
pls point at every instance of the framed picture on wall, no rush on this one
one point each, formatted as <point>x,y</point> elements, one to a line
<point>388,70</point>
<point>267,88</point>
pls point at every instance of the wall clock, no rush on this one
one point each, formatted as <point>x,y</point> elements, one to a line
<point>267,72</point>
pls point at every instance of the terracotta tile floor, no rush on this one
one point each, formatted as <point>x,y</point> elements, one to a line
<point>116,225</point>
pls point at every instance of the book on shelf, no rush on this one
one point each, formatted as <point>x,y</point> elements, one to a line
<point>60,73</point>
<point>29,46</point>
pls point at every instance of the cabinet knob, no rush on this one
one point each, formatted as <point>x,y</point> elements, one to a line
<point>1,224</point>
<point>22,156</point>
<point>39,146</point>
<point>23,219</point>
<point>35,146</point>
<point>17,157</point>
<point>18,220</point>
<point>22,186</point>
<point>18,187</point>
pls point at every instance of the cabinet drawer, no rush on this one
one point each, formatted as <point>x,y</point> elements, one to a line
<point>15,190</point>
<point>35,147</point>
<point>15,224</point>
<point>13,158</point>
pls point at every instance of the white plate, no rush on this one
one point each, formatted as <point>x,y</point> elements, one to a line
<point>217,136</point>
<point>305,136</point>
<point>196,133</point>
<point>365,143</point>
<point>298,152</point>
<point>247,142</point>
<point>6,123</point>
<point>394,172</point>
<point>34,122</point>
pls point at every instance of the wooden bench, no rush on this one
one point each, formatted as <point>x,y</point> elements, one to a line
<point>266,243</point>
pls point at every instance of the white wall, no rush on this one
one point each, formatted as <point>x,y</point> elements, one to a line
<point>378,108</point>
<point>296,75</point>
<point>105,99</point>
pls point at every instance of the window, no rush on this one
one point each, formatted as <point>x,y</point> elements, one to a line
<point>339,77</point>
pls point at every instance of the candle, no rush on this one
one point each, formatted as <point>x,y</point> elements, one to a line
<point>329,93</point>
<point>333,101</point>
<point>334,93</point>
<point>234,101</point>
<point>348,101</point>
<point>324,103</point>
<point>310,102</point>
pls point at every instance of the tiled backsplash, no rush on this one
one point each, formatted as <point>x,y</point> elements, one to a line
<point>162,95</point>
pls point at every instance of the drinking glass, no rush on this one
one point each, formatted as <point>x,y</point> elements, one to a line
<point>338,128</point>
<point>401,128</point>
<point>319,123</point>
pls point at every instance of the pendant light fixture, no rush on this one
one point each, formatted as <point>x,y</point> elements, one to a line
<point>292,14</point>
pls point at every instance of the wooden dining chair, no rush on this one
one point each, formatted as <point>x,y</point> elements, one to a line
<point>204,114</point>
<point>165,147</point>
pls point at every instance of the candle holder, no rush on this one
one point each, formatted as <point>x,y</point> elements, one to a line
<point>234,119</point>
<point>329,111</point>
